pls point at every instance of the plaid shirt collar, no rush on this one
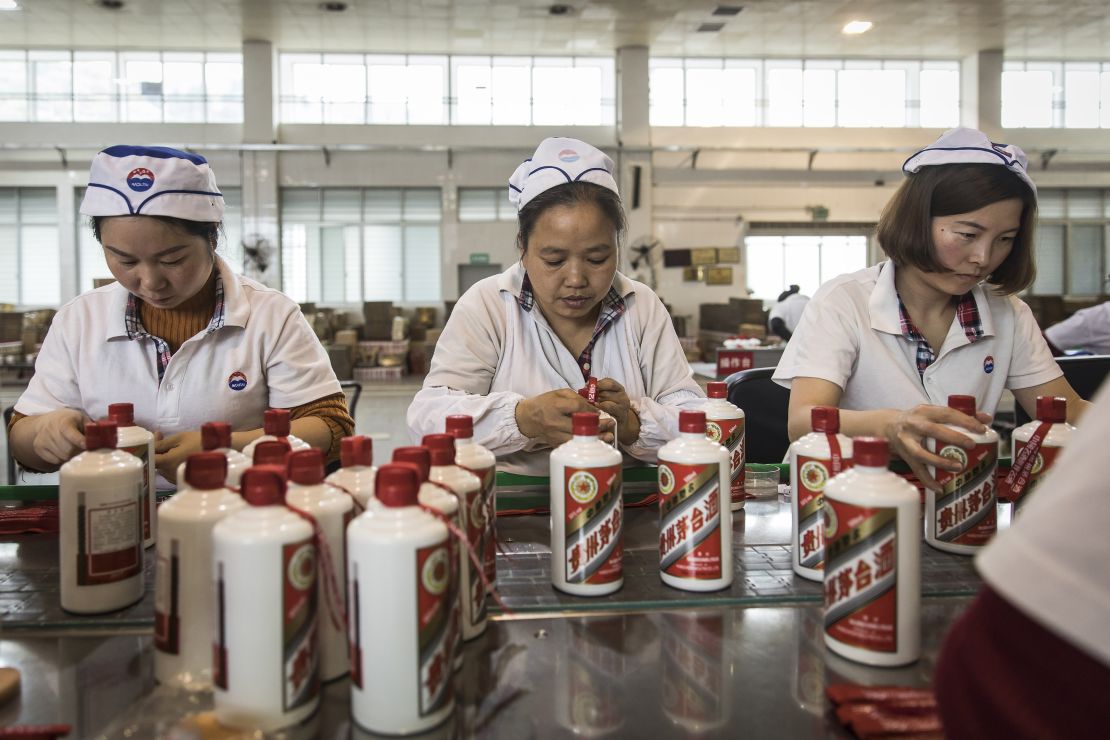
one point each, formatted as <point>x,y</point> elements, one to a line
<point>967,313</point>
<point>136,330</point>
<point>613,307</point>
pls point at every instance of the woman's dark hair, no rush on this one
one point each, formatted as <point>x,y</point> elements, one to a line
<point>905,230</point>
<point>208,230</point>
<point>787,293</point>
<point>570,194</point>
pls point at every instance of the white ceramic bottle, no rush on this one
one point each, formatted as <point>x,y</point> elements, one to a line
<point>1052,433</point>
<point>215,436</point>
<point>872,561</point>
<point>446,502</point>
<point>587,512</point>
<point>963,517</point>
<point>400,573</point>
<point>100,539</point>
<point>814,459</point>
<point>724,424</point>
<point>183,593</point>
<point>695,541</point>
<point>265,654</point>
<point>139,442</point>
<point>356,477</point>
<point>275,425</point>
<point>333,510</point>
<point>472,456</point>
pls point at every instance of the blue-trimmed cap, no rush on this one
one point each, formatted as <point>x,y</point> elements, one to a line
<point>559,160</point>
<point>152,181</point>
<point>971,146</point>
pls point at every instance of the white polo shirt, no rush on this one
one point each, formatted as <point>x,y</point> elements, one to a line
<point>850,335</point>
<point>265,355</point>
<point>493,353</point>
<point>1088,329</point>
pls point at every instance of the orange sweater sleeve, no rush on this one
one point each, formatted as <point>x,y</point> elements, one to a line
<point>333,410</point>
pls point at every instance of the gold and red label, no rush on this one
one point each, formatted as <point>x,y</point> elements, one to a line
<point>109,540</point>
<point>965,509</point>
<point>475,505</point>
<point>433,612</point>
<point>690,520</point>
<point>300,652</point>
<point>730,433</point>
<point>812,474</point>
<point>593,517</point>
<point>861,575</point>
<point>488,540</point>
<point>167,592</point>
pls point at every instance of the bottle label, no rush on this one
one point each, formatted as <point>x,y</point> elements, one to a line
<point>167,591</point>
<point>693,670</point>
<point>965,512</point>
<point>475,504</point>
<point>593,515</point>
<point>109,538</point>
<point>433,580</point>
<point>690,520</point>
<point>1046,458</point>
<point>730,433</point>
<point>812,474</point>
<point>488,476</point>
<point>861,575</point>
<point>143,453</point>
<point>219,647</point>
<point>301,681</point>
<point>354,626</point>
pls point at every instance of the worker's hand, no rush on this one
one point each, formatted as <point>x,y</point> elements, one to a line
<point>612,398</point>
<point>171,451</point>
<point>546,418</point>
<point>908,430</point>
<point>59,435</point>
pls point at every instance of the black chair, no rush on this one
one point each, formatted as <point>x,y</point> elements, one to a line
<point>1085,373</point>
<point>352,389</point>
<point>8,441</point>
<point>765,404</point>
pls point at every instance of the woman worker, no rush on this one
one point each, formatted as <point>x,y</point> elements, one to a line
<point>519,345</point>
<point>178,335</point>
<point>890,343</point>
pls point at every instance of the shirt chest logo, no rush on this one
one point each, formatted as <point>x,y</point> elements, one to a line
<point>988,364</point>
<point>237,381</point>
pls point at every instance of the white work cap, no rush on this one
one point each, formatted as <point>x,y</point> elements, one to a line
<point>970,146</point>
<point>557,161</point>
<point>152,181</point>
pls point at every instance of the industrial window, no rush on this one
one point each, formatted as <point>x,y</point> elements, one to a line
<point>815,93</point>
<point>30,259</point>
<point>347,245</point>
<point>1072,242</point>
<point>1056,95</point>
<point>485,204</point>
<point>124,86</point>
<point>773,263</point>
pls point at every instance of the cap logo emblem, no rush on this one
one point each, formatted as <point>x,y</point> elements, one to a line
<point>568,156</point>
<point>140,179</point>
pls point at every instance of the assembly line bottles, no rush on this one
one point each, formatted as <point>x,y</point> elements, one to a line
<point>183,593</point>
<point>215,436</point>
<point>814,459</point>
<point>1036,447</point>
<point>100,501</point>
<point>587,512</point>
<point>963,517</point>
<point>275,425</point>
<point>400,573</point>
<point>724,424</point>
<point>872,561</point>
<point>695,541</point>
<point>475,458</point>
<point>356,477</point>
<point>332,510</point>
<point>265,650</point>
<point>273,452</point>
<point>140,443</point>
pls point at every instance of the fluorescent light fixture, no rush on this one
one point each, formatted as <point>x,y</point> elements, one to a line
<point>854,28</point>
<point>9,5</point>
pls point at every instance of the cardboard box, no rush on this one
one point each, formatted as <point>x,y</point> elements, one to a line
<point>380,312</point>
<point>11,326</point>
<point>431,336</point>
<point>719,316</point>
<point>418,358</point>
<point>378,331</point>
<point>342,360</point>
<point>750,310</point>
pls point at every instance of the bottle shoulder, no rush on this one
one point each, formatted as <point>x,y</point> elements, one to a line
<point>816,444</point>
<point>1058,435</point>
<point>193,503</point>
<point>473,455</point>
<point>320,497</point>
<point>586,452</point>
<point>100,462</point>
<point>454,478</point>
<point>719,408</point>
<point>871,487</point>
<point>262,523</point>
<point>396,523</point>
<point>691,448</point>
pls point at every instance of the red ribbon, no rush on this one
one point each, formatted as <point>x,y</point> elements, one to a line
<point>1022,468</point>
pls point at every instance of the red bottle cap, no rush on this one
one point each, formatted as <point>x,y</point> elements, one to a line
<point>825,419</point>
<point>1052,409</point>
<point>101,435</point>
<point>418,456</point>
<point>306,467</point>
<point>263,486</point>
<point>271,452</point>
<point>870,452</point>
<point>276,422</point>
<point>584,423</point>
<point>691,421</point>
<point>396,485</point>
<point>460,426</point>
<point>215,435</point>
<point>122,414</point>
<point>963,404</point>
<point>206,470</point>
<point>717,389</point>
<point>356,450</point>
<point>441,448</point>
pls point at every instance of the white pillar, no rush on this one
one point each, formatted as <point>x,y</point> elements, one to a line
<point>634,163</point>
<point>259,93</point>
